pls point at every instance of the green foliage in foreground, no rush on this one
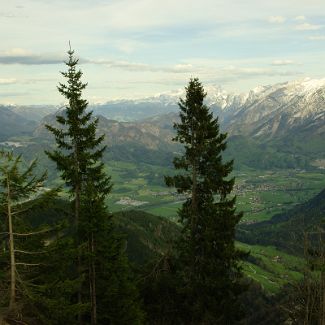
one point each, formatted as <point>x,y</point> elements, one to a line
<point>148,236</point>
<point>104,293</point>
<point>147,241</point>
<point>201,278</point>
<point>21,191</point>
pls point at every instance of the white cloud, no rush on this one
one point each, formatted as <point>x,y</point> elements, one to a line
<point>128,46</point>
<point>125,65</point>
<point>25,57</point>
<point>317,38</point>
<point>300,18</point>
<point>142,67</point>
<point>7,81</point>
<point>283,62</point>
<point>183,67</point>
<point>147,41</point>
<point>233,71</point>
<point>17,52</point>
<point>307,26</point>
<point>277,19</point>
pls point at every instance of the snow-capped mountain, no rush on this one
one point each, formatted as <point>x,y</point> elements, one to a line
<point>280,125</point>
<point>300,99</point>
<point>281,108</point>
<point>271,111</point>
<point>164,103</point>
<point>265,111</point>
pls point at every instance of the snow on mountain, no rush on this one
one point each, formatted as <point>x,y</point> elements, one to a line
<point>263,111</point>
<point>277,109</point>
<point>269,110</point>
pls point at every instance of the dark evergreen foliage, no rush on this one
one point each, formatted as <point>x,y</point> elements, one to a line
<point>209,262</point>
<point>79,159</point>
<point>22,243</point>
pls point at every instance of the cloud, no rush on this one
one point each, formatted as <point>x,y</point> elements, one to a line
<point>7,81</point>
<point>276,19</point>
<point>24,57</point>
<point>307,26</point>
<point>14,94</point>
<point>238,72</point>
<point>25,81</point>
<point>142,67</point>
<point>317,38</point>
<point>7,15</point>
<point>125,65</point>
<point>182,68</point>
<point>128,46</point>
<point>300,18</point>
<point>226,72</point>
<point>12,14</point>
<point>283,62</point>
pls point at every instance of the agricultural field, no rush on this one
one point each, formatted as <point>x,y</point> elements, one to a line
<point>271,267</point>
<point>260,194</point>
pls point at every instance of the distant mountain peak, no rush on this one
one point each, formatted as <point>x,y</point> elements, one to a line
<point>269,110</point>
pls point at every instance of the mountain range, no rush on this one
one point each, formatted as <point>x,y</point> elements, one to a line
<point>265,111</point>
<point>287,117</point>
<point>262,110</point>
<point>12,124</point>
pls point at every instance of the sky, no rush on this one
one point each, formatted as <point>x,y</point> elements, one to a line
<point>140,48</point>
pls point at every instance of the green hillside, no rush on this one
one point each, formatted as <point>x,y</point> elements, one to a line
<point>147,235</point>
<point>285,231</point>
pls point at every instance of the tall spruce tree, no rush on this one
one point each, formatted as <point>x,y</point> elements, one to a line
<point>77,152</point>
<point>209,261</point>
<point>79,158</point>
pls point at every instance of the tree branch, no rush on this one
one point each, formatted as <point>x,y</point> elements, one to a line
<point>26,252</point>
<point>32,233</point>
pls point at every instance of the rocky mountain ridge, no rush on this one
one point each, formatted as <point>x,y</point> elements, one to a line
<point>268,112</point>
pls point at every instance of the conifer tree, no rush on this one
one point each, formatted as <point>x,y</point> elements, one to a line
<point>209,270</point>
<point>19,194</point>
<point>79,158</point>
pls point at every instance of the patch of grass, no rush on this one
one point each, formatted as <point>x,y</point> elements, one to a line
<point>271,267</point>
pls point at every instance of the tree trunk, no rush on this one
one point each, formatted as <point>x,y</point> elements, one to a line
<point>76,222</point>
<point>12,301</point>
<point>194,186</point>
<point>92,282</point>
<point>77,191</point>
<point>322,296</point>
<point>322,278</point>
<point>194,200</point>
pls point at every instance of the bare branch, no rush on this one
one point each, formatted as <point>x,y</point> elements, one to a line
<point>26,252</point>
<point>16,321</point>
<point>20,211</point>
<point>32,233</point>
